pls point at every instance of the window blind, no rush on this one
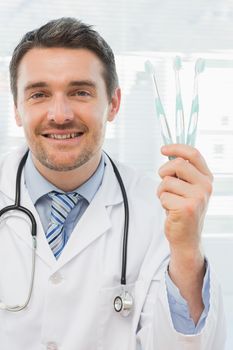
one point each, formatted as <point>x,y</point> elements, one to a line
<point>137,31</point>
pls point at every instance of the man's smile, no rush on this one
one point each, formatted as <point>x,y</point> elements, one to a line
<point>63,136</point>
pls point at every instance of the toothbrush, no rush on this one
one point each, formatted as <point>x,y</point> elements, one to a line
<point>193,119</point>
<point>180,128</point>
<point>165,131</point>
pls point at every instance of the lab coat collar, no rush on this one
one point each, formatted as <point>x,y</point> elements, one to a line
<point>94,222</point>
<point>10,164</point>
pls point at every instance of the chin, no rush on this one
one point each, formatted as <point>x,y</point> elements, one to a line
<point>64,162</point>
<point>64,159</point>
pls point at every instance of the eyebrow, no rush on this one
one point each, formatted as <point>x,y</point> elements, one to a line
<point>74,83</point>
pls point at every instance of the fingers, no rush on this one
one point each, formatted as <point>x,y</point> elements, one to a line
<point>175,186</point>
<point>188,153</point>
<point>187,175</point>
<point>184,193</point>
<point>170,201</point>
<point>183,170</point>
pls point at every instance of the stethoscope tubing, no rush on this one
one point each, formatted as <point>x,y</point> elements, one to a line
<point>126,223</point>
<point>17,206</point>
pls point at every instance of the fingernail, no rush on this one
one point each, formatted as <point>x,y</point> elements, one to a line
<point>163,148</point>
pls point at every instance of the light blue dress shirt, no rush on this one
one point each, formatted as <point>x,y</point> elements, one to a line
<point>181,319</point>
<point>38,189</point>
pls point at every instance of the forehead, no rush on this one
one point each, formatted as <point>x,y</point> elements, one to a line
<point>59,65</point>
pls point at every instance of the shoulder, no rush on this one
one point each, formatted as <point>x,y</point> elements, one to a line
<point>141,190</point>
<point>12,158</point>
<point>147,242</point>
<point>13,155</point>
<point>8,167</point>
<point>139,183</point>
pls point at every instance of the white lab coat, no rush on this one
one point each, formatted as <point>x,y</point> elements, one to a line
<point>72,301</point>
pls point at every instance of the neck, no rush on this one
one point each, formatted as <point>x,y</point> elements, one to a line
<point>68,181</point>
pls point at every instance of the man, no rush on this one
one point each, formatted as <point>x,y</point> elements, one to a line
<point>65,89</point>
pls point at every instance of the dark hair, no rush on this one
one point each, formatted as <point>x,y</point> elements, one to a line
<point>66,32</point>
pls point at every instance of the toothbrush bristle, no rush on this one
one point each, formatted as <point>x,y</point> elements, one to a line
<point>199,66</point>
<point>177,63</point>
<point>149,68</point>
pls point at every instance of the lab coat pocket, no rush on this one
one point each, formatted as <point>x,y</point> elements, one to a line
<point>114,329</point>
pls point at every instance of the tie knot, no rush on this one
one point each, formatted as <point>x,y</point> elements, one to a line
<point>73,196</point>
<point>62,204</point>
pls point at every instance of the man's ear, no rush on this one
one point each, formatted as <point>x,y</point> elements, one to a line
<point>114,105</point>
<point>17,116</point>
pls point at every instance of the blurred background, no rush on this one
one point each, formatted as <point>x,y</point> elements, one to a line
<point>156,30</point>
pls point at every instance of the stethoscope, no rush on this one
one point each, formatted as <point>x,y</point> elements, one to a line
<point>123,303</point>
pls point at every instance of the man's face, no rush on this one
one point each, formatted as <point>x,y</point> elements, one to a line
<point>63,106</point>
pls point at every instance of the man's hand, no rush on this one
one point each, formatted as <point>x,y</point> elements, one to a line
<point>184,193</point>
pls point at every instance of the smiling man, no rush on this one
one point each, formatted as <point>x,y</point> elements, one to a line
<point>164,295</point>
<point>63,106</point>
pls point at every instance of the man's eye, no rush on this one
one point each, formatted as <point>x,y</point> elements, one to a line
<point>81,93</point>
<point>37,95</point>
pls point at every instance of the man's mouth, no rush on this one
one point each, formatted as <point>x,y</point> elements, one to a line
<point>63,136</point>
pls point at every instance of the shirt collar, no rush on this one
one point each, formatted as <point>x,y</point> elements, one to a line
<point>38,186</point>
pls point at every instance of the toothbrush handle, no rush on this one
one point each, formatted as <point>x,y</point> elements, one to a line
<point>192,129</point>
<point>180,131</point>
<point>165,131</point>
<point>166,135</point>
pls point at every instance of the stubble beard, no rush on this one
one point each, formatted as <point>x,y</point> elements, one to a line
<point>85,151</point>
<point>84,155</point>
<point>47,161</point>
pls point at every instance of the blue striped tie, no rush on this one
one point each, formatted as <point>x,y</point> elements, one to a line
<point>62,204</point>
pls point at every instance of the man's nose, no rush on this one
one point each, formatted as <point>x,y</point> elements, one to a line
<point>60,111</point>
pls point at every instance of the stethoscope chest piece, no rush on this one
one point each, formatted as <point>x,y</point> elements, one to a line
<point>123,303</point>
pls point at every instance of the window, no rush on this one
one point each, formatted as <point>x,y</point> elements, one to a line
<point>155,30</point>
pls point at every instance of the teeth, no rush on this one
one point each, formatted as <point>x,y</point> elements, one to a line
<point>64,136</point>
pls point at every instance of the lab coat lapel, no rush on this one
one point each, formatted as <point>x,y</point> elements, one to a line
<point>96,219</point>
<point>94,222</point>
